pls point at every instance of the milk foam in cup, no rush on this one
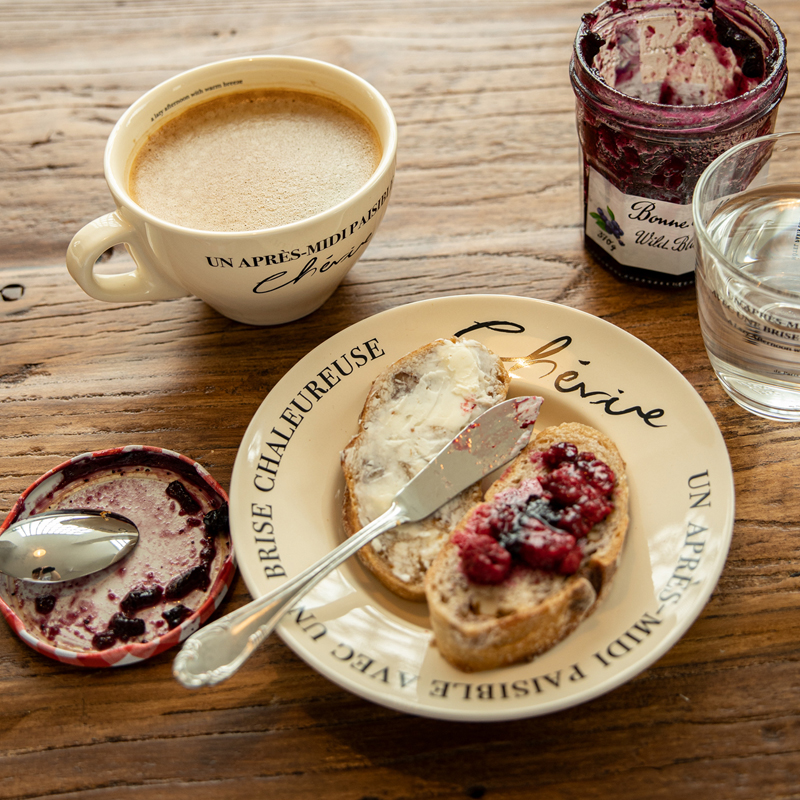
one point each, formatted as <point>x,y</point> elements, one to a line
<point>262,276</point>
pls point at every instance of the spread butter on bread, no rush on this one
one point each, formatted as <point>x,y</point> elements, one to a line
<point>479,624</point>
<point>413,410</point>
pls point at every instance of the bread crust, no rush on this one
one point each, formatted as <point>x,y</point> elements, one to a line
<point>415,551</point>
<point>484,627</point>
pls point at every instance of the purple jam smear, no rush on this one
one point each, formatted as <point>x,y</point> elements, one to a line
<point>121,628</point>
<point>177,491</point>
<point>749,55</point>
<point>216,521</point>
<point>543,522</point>
<point>176,614</point>
<point>196,578</point>
<point>125,627</point>
<point>208,552</point>
<point>104,640</point>
<point>141,597</point>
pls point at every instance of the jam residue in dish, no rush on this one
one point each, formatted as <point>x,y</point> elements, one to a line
<point>124,625</point>
<point>183,547</point>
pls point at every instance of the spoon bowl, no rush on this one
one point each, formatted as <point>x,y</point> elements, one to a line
<point>62,545</point>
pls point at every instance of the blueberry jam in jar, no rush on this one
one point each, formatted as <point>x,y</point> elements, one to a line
<point>662,88</point>
<point>541,523</point>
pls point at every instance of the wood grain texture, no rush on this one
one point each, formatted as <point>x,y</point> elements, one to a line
<point>485,200</point>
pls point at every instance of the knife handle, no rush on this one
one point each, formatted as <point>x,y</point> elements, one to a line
<point>216,651</point>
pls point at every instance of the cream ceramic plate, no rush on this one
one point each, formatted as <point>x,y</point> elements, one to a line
<point>287,487</point>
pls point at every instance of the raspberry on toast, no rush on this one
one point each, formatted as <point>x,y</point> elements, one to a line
<point>527,583</point>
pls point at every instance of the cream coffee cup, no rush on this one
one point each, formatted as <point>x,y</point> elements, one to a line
<point>262,276</point>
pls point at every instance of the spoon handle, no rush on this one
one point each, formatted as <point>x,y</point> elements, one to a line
<point>216,651</point>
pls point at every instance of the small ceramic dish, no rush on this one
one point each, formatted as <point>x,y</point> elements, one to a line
<point>161,593</point>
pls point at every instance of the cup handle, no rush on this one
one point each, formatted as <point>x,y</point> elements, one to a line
<point>146,282</point>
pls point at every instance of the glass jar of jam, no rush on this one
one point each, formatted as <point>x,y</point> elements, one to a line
<point>662,88</point>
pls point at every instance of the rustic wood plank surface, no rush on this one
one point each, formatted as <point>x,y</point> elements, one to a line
<point>485,200</point>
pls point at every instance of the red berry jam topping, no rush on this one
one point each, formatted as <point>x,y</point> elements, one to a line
<point>484,559</point>
<point>542,522</point>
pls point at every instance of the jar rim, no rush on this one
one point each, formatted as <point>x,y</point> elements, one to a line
<point>684,116</point>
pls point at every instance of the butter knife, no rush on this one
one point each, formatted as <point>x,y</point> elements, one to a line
<point>216,651</point>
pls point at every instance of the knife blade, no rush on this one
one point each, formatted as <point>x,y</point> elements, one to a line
<point>495,437</point>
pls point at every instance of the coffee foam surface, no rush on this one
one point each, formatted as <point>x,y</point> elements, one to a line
<point>254,160</point>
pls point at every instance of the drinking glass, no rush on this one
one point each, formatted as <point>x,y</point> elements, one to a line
<point>746,210</point>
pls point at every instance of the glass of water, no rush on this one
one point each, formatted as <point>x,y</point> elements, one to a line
<point>746,209</point>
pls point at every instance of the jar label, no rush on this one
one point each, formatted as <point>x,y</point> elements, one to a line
<point>639,231</point>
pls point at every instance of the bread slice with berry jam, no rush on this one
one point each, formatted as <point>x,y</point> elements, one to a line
<point>413,409</point>
<point>525,566</point>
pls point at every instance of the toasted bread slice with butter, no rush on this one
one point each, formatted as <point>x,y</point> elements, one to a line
<point>413,409</point>
<point>479,626</point>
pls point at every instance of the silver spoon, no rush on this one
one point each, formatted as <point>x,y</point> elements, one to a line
<point>65,544</point>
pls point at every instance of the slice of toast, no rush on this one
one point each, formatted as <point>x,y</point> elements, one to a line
<point>413,409</point>
<point>483,626</point>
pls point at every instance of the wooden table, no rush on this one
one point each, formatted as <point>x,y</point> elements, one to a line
<point>485,200</point>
